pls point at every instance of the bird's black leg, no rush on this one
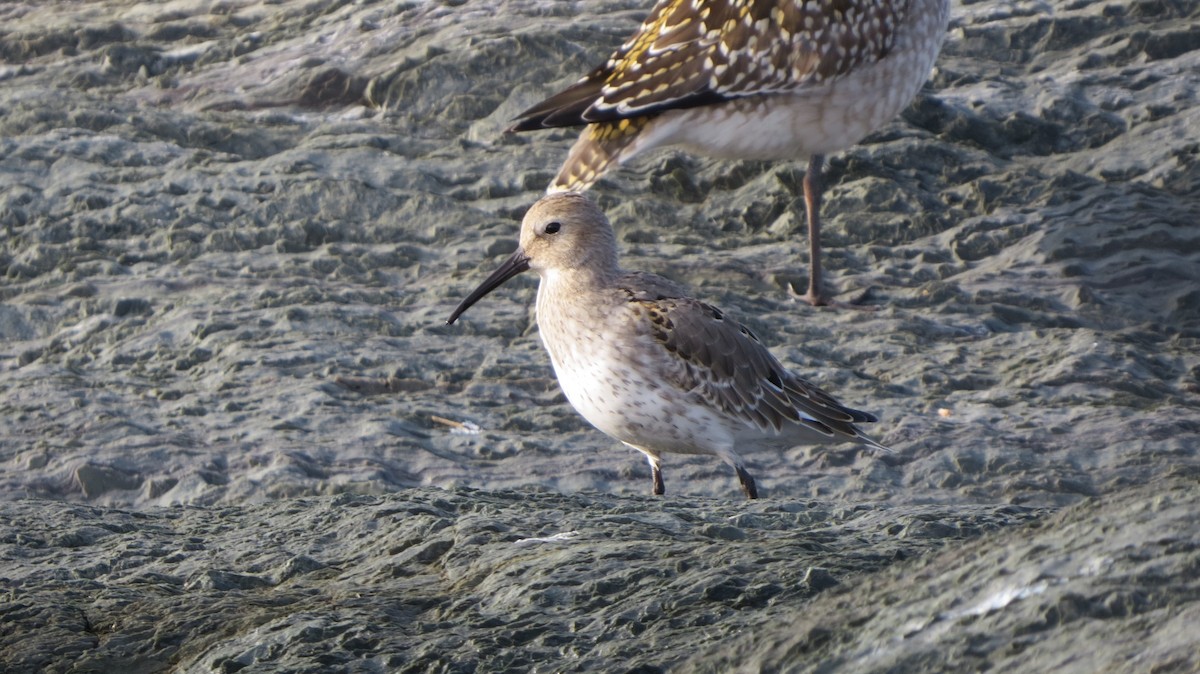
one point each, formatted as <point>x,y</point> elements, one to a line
<point>747,482</point>
<point>656,473</point>
<point>812,202</point>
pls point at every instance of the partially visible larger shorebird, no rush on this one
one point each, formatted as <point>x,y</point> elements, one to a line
<point>749,79</point>
<point>650,366</point>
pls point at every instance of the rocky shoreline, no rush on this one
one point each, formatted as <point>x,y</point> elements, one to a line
<point>236,434</point>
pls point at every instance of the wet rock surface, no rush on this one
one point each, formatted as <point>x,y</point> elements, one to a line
<point>235,433</point>
<point>432,580</point>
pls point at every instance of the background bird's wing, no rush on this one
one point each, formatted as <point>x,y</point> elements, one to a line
<point>724,363</point>
<point>695,52</point>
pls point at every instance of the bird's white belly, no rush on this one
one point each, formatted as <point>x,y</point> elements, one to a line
<point>789,126</point>
<point>611,392</point>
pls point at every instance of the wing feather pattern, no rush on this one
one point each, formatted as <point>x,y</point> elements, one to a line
<point>724,364</point>
<point>689,53</point>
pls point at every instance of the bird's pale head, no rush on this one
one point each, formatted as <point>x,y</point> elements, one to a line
<point>563,233</point>
<point>567,232</point>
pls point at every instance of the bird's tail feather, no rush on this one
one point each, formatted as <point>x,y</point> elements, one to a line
<point>599,148</point>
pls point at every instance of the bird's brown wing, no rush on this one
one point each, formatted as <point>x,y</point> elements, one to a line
<point>724,364</point>
<point>690,53</point>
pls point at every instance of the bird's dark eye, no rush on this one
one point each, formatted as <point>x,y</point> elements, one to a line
<point>553,227</point>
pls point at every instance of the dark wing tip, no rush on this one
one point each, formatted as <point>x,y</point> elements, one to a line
<point>565,108</point>
<point>581,104</point>
<point>861,417</point>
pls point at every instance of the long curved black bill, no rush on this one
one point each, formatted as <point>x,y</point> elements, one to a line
<point>515,264</point>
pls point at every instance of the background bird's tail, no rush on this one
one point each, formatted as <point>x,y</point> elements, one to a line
<point>600,147</point>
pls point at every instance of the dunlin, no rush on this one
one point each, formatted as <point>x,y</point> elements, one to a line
<point>650,366</point>
<point>749,79</point>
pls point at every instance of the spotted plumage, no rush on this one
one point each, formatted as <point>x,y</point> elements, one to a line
<point>690,53</point>
<point>748,79</point>
<point>650,366</point>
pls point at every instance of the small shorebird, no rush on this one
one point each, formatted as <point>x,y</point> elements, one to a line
<point>749,79</point>
<point>650,366</point>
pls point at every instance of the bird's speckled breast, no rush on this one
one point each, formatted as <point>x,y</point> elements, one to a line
<point>604,362</point>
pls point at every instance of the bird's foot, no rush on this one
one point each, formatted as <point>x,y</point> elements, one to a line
<point>819,300</point>
<point>748,486</point>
